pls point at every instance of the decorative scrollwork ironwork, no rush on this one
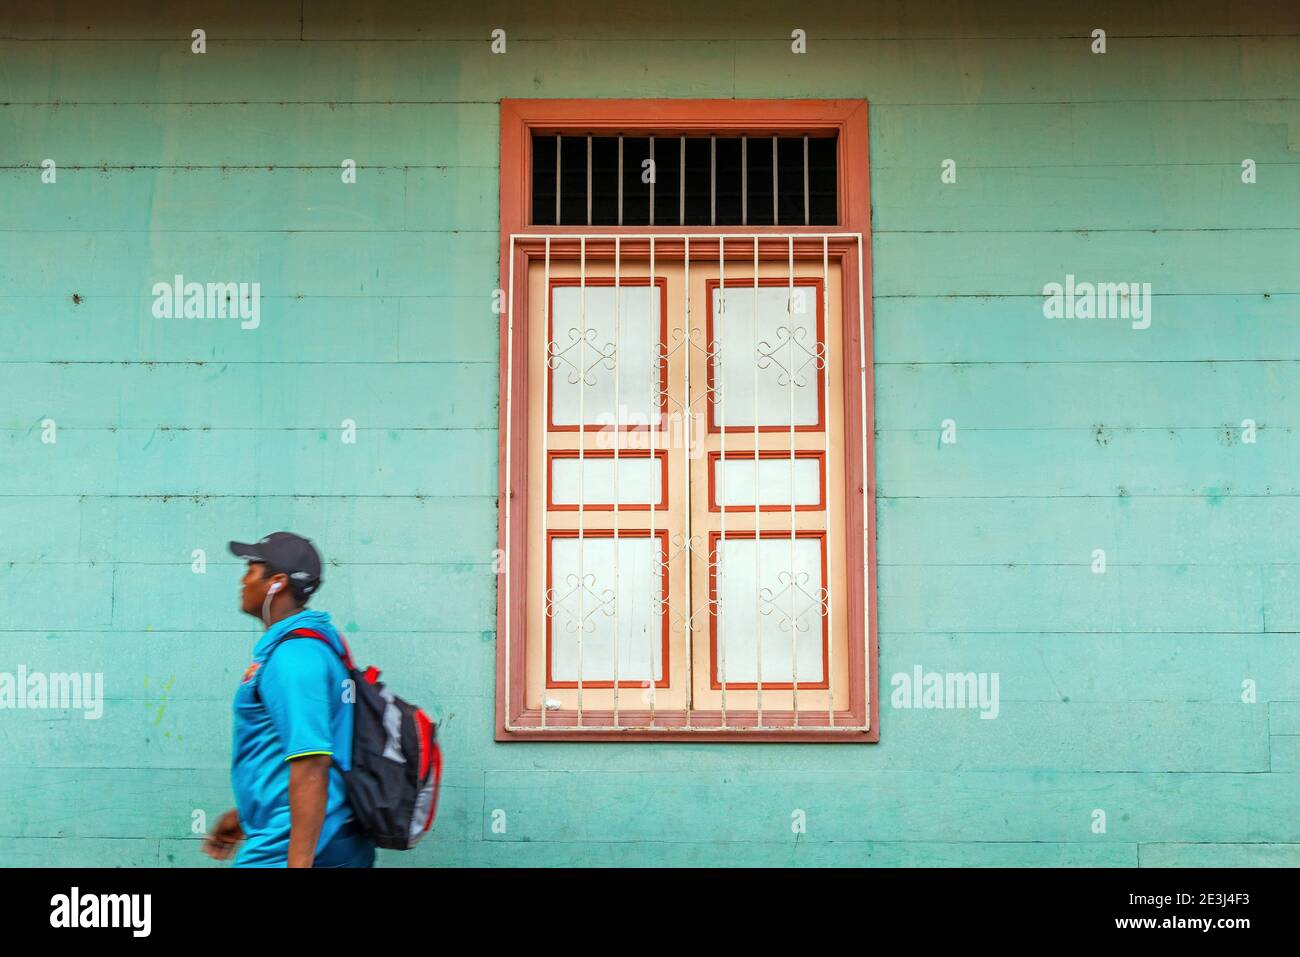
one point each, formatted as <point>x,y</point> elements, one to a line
<point>791,591</point>
<point>788,337</point>
<point>575,373</point>
<point>603,600</point>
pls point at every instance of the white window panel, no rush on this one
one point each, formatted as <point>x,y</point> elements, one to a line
<point>785,351</point>
<point>733,481</point>
<point>593,604</point>
<point>582,373</point>
<point>640,480</point>
<point>763,608</point>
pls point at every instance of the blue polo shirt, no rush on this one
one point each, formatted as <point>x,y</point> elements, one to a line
<point>290,706</point>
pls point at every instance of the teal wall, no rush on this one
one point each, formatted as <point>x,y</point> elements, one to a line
<point>1120,692</point>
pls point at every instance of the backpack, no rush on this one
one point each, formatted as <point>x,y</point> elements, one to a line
<point>396,761</point>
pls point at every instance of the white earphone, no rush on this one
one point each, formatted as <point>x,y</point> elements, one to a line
<point>266,605</point>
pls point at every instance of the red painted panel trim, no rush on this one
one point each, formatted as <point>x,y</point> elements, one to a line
<point>740,283</point>
<point>740,456</point>
<point>551,455</point>
<point>662,284</point>
<point>662,536</point>
<point>714,683</point>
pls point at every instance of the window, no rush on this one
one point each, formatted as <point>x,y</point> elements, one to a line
<point>701,179</point>
<point>686,517</point>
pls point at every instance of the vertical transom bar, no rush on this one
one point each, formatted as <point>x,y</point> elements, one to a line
<point>681,188</point>
<point>806,212</point>
<point>744,180</point>
<point>654,175</point>
<point>713,181</point>
<point>776,192</point>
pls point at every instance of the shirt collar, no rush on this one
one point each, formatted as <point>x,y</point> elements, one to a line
<point>307,618</point>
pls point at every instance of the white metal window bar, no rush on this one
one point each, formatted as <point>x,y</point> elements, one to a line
<point>682,178</point>
<point>692,335</point>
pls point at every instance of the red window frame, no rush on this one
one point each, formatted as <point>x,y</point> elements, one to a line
<point>662,285</point>
<point>661,535</point>
<point>775,534</point>
<point>520,119</point>
<point>715,457</point>
<point>661,455</point>
<point>814,283</point>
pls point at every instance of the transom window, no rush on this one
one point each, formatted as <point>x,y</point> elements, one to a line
<point>685,516</point>
<point>743,179</point>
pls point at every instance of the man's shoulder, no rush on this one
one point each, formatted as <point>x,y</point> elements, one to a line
<point>304,653</point>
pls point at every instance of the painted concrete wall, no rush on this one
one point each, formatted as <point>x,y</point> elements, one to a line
<point>1120,691</point>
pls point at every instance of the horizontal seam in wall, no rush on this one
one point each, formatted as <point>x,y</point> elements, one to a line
<point>876,105</point>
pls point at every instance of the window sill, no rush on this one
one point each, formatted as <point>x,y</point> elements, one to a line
<point>705,726</point>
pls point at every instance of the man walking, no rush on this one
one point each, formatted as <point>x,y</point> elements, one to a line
<point>293,724</point>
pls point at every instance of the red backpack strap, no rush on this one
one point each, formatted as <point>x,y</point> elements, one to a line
<point>309,633</point>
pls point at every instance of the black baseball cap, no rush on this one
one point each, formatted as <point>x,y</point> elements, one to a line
<point>285,552</point>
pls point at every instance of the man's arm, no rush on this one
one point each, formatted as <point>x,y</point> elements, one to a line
<point>297,688</point>
<point>220,842</point>
<point>309,778</point>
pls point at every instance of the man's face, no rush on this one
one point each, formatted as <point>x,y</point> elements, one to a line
<point>253,587</point>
